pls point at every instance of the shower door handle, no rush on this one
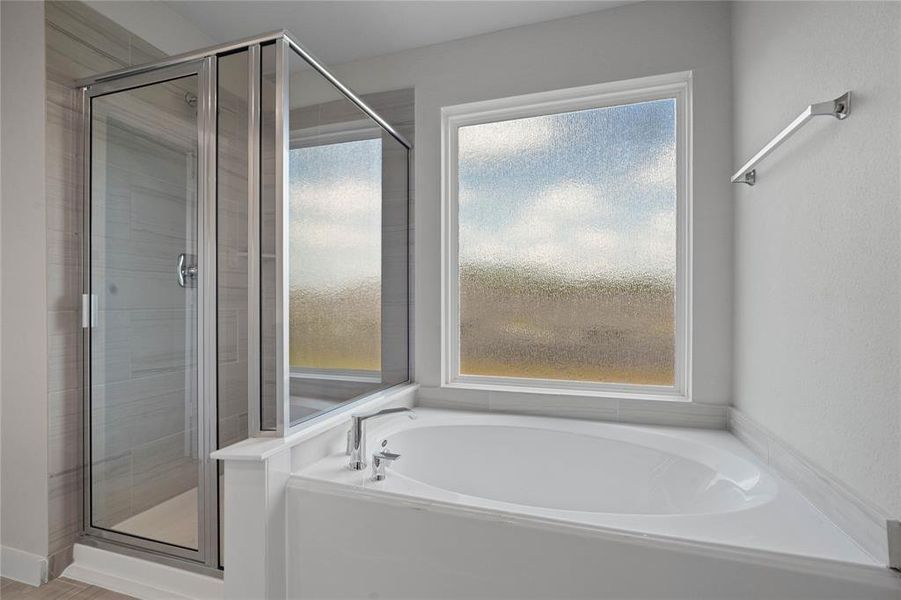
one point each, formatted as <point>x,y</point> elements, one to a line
<point>185,272</point>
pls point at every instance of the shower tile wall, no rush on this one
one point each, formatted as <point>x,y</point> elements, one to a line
<point>232,259</point>
<point>79,42</point>
<point>268,412</point>
<point>232,250</point>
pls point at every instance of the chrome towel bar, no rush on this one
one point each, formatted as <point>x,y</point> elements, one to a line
<point>839,108</point>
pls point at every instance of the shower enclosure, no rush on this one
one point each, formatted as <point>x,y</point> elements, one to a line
<point>246,270</point>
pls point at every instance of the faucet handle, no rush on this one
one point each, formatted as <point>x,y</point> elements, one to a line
<point>380,460</point>
<point>385,456</point>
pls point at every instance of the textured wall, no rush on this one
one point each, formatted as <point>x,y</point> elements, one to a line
<point>817,323</point>
<point>620,43</point>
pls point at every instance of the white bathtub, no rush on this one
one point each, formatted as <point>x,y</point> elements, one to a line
<point>477,501</point>
<point>574,470</point>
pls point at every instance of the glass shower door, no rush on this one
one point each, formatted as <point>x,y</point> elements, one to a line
<point>147,443</point>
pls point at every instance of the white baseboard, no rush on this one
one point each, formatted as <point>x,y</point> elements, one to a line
<point>865,524</point>
<point>23,566</point>
<point>140,578</point>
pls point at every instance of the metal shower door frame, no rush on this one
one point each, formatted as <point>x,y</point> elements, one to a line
<point>204,63</point>
<point>207,554</point>
<point>285,44</point>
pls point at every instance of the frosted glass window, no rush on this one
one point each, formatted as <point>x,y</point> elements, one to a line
<point>567,245</point>
<point>336,256</point>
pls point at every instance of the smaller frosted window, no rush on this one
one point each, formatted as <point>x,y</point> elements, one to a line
<point>336,250</point>
<point>567,245</point>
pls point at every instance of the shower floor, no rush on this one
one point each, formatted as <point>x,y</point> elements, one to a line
<point>173,521</point>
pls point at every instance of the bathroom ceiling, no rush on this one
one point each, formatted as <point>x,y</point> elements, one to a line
<point>339,32</point>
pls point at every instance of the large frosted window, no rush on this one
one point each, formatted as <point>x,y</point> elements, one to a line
<point>567,245</point>
<point>336,250</point>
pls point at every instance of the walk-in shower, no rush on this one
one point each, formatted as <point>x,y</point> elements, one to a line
<point>246,250</point>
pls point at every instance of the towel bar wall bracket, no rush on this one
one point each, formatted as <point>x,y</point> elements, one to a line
<point>839,108</point>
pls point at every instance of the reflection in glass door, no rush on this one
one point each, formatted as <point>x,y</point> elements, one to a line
<point>147,443</point>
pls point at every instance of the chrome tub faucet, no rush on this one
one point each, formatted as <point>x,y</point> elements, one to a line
<point>356,437</point>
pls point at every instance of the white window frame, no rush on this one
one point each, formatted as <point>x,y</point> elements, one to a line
<point>674,85</point>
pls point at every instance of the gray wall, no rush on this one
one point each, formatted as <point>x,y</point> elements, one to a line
<point>154,22</point>
<point>817,325</point>
<point>24,326</point>
<point>620,43</point>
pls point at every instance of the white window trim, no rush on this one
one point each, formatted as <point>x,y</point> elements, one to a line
<point>673,85</point>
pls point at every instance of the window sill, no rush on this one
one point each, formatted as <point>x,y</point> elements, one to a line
<point>639,408</point>
<point>355,376</point>
<point>556,389</point>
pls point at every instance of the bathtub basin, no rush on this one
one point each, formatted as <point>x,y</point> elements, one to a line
<point>558,469</point>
